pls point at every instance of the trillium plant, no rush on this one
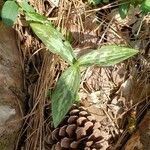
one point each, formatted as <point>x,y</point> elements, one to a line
<point>67,86</point>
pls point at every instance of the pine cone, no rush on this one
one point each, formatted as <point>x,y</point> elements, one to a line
<point>79,131</point>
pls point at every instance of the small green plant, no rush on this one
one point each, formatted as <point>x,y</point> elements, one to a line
<point>65,92</point>
<point>126,4</point>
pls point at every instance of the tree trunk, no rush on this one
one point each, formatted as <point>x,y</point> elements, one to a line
<point>11,85</point>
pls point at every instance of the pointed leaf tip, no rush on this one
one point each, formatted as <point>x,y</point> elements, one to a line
<point>107,56</point>
<point>64,94</point>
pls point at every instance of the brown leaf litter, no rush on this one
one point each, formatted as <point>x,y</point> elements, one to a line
<point>111,94</point>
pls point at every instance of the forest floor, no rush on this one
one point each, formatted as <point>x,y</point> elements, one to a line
<point>117,96</point>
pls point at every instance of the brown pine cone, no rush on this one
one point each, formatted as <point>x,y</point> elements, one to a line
<point>78,131</point>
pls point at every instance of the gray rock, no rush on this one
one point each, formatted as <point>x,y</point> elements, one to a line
<point>11,85</point>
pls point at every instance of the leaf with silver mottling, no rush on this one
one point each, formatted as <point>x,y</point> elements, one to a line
<point>106,56</point>
<point>64,94</point>
<point>54,41</point>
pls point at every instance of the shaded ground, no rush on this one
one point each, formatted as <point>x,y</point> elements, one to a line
<point>117,96</point>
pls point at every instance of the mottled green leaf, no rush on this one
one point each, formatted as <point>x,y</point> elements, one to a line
<point>106,56</point>
<point>65,93</point>
<point>54,41</point>
<point>25,6</point>
<point>35,17</point>
<point>145,6</point>
<point>9,12</point>
<point>123,10</point>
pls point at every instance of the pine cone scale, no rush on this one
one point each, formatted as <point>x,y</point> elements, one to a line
<point>80,131</point>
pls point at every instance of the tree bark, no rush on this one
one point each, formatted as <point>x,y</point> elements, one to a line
<point>11,85</point>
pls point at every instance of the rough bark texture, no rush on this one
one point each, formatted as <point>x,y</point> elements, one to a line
<point>11,85</point>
